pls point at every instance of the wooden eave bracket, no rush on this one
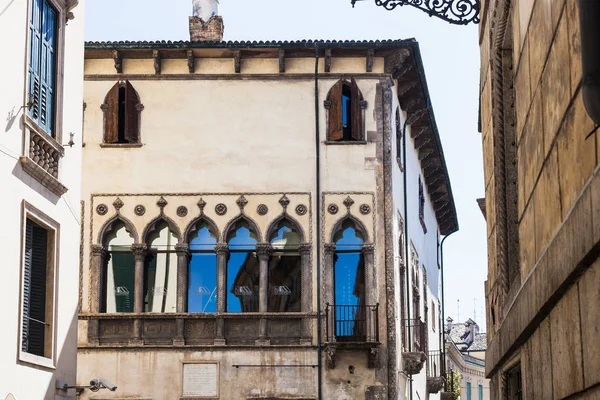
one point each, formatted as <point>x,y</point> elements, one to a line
<point>157,61</point>
<point>281,61</point>
<point>191,61</point>
<point>237,61</point>
<point>405,86</point>
<point>118,58</point>
<point>370,58</point>
<point>327,60</point>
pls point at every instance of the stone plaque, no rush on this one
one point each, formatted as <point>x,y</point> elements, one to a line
<point>200,380</point>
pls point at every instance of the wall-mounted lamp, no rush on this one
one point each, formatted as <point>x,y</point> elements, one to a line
<point>95,385</point>
<point>71,142</point>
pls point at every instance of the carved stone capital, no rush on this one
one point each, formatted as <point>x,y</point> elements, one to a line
<point>368,249</point>
<point>264,251</point>
<point>330,357</point>
<point>435,384</point>
<point>304,249</point>
<point>221,249</point>
<point>99,250</point>
<point>182,249</point>
<point>329,248</point>
<point>374,358</point>
<point>139,251</point>
<point>413,362</point>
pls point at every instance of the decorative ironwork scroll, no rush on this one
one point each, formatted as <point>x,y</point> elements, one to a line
<point>459,12</point>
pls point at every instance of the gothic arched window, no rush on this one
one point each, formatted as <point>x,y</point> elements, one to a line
<point>122,110</point>
<point>160,283</point>
<point>243,269</point>
<point>119,285</point>
<point>202,271</point>
<point>285,272</point>
<point>345,104</point>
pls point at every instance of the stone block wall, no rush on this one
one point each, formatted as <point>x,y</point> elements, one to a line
<point>545,317</point>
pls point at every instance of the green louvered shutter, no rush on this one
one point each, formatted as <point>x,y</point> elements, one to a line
<point>35,33</point>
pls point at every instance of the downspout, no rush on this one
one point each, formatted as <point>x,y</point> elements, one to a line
<point>589,15</point>
<point>443,326</point>
<point>318,237</point>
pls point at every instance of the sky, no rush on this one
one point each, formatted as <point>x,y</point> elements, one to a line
<point>451,59</point>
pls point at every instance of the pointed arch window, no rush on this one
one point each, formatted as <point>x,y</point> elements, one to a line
<point>202,271</point>
<point>122,114</point>
<point>243,269</point>
<point>285,269</point>
<point>345,107</point>
<point>160,273</point>
<point>119,287</point>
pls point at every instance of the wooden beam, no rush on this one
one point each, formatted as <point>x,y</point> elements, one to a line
<point>281,61</point>
<point>191,61</point>
<point>237,61</point>
<point>405,86</point>
<point>118,61</point>
<point>424,153</point>
<point>327,60</point>
<point>370,57</point>
<point>157,62</point>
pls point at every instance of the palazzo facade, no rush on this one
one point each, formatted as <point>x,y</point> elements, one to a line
<point>246,234</point>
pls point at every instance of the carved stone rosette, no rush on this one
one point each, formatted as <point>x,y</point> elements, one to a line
<point>413,362</point>
<point>221,209</point>
<point>435,384</point>
<point>301,209</point>
<point>102,209</point>
<point>139,210</point>
<point>262,209</point>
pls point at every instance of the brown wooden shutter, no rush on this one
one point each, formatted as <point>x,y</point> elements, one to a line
<point>356,112</point>
<point>336,129</point>
<point>131,114</point>
<point>111,116</point>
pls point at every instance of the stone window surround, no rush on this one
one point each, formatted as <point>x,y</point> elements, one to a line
<point>363,106</point>
<point>138,109</point>
<point>40,218</point>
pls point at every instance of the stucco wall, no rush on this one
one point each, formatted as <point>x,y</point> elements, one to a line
<point>24,380</point>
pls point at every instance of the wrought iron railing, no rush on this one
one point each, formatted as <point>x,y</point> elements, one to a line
<point>417,329</point>
<point>352,323</point>
<point>435,364</point>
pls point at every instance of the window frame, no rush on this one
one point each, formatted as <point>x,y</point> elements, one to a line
<point>32,213</point>
<point>362,106</point>
<point>139,107</point>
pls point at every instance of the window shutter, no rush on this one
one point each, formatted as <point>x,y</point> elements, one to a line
<point>356,112</point>
<point>111,115</point>
<point>131,114</point>
<point>27,285</point>
<point>35,33</point>
<point>336,129</point>
<point>47,68</point>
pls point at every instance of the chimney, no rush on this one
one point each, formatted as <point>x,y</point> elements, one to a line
<point>205,24</point>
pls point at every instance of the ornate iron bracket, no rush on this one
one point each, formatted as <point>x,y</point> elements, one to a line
<point>459,12</point>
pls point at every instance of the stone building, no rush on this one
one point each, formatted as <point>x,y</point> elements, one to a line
<point>40,183</point>
<point>542,203</point>
<point>465,355</point>
<point>245,225</point>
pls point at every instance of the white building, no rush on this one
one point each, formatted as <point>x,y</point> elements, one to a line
<point>41,100</point>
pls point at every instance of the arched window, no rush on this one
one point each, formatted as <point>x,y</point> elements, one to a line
<point>122,111</point>
<point>160,283</point>
<point>242,269</point>
<point>285,272</point>
<point>202,271</point>
<point>399,140</point>
<point>345,104</point>
<point>119,287</point>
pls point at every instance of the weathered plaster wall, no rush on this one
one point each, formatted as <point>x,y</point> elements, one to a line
<point>17,186</point>
<point>557,152</point>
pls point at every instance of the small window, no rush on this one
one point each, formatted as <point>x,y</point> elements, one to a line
<point>345,104</point>
<point>479,392</point>
<point>514,382</point>
<point>433,315</point>
<point>422,205</point>
<point>468,390</point>
<point>399,138</point>
<point>38,290</point>
<point>122,111</point>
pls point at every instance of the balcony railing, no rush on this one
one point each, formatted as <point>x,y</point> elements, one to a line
<point>418,331</point>
<point>435,364</point>
<point>356,324</point>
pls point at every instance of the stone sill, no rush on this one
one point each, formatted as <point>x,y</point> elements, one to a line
<point>49,139</point>
<point>38,173</point>
<point>346,143</point>
<point>120,145</point>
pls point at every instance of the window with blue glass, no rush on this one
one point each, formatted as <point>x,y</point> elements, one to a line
<point>349,283</point>
<point>480,392</point>
<point>43,31</point>
<point>242,269</point>
<point>285,274</point>
<point>468,390</point>
<point>202,271</point>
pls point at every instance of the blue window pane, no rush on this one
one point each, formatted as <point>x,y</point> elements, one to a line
<point>202,292</point>
<point>242,272</point>
<point>480,396</point>
<point>203,239</point>
<point>468,390</point>
<point>285,237</point>
<point>345,110</point>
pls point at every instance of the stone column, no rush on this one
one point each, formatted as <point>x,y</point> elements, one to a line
<point>328,289</point>
<point>368,252</point>
<point>139,253</point>
<point>222,251</point>
<point>183,261</point>
<point>263,251</point>
<point>99,258</point>
<point>306,291</point>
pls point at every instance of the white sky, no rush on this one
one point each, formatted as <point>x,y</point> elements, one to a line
<point>451,57</point>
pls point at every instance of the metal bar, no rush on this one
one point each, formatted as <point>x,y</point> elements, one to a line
<point>35,320</point>
<point>274,366</point>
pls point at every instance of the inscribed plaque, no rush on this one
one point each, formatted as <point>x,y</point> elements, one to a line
<point>200,380</point>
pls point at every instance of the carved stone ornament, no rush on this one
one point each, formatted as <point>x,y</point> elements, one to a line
<point>374,358</point>
<point>348,202</point>
<point>333,209</point>
<point>329,248</point>
<point>435,384</point>
<point>264,250</point>
<point>262,209</point>
<point>102,209</point>
<point>284,201</point>
<point>139,251</point>
<point>118,203</point>
<point>201,205</point>
<point>221,209</point>
<point>301,209</point>
<point>330,357</point>
<point>221,248</point>
<point>365,209</point>
<point>241,202</point>
<point>182,249</point>
<point>182,211</point>
<point>413,362</point>
<point>139,210</point>
<point>327,104</point>
<point>304,248</point>
<point>162,203</point>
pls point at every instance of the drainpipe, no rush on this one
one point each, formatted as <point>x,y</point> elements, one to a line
<point>443,326</point>
<point>589,15</point>
<point>318,236</point>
